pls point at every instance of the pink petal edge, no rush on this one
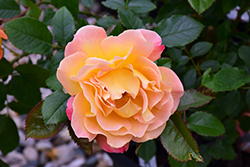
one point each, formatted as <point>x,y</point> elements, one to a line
<point>69,110</point>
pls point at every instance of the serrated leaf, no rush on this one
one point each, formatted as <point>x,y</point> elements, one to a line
<point>165,62</point>
<point>244,53</point>
<point>9,9</point>
<point>5,68</point>
<point>33,11</point>
<point>53,83</point>
<point>129,19</point>
<point>176,163</point>
<point>147,150</point>
<point>179,30</point>
<point>106,21</point>
<point>29,35</point>
<point>35,127</point>
<point>230,79</point>
<point>82,142</point>
<point>54,107</point>
<point>207,79</point>
<point>200,48</point>
<point>33,74</point>
<point>189,79</point>
<point>201,5</point>
<point>114,4</point>
<point>178,141</point>
<point>88,3</point>
<point>9,137</point>
<point>214,65</point>
<point>73,6</point>
<point>193,99</point>
<point>48,16</point>
<point>141,6</point>
<point>3,164</point>
<point>205,124</point>
<point>63,26</point>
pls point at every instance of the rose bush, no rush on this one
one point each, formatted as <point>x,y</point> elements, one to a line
<point>4,36</point>
<point>118,93</point>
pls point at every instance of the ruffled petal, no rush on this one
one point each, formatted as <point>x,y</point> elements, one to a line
<point>87,40</point>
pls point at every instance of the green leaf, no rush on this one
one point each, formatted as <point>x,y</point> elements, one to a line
<point>244,53</point>
<point>106,21</point>
<point>53,82</point>
<point>229,5</point>
<point>48,16</point>
<point>141,6</point>
<point>54,107</point>
<point>29,35</point>
<point>248,98</point>
<point>165,62</point>
<point>147,150</point>
<point>174,53</point>
<point>205,124</point>
<point>114,4</point>
<point>63,26</point>
<point>176,163</point>
<point>129,19</point>
<point>232,101</point>
<point>21,107</point>
<point>214,65</point>
<point>56,59</point>
<point>5,68</point>
<point>232,133</point>
<point>206,156</point>
<point>88,3</point>
<point>207,79</point>
<point>33,74</point>
<point>33,11</point>
<point>9,137</point>
<point>3,94</point>
<point>73,6</point>
<point>35,127</point>
<point>178,141</point>
<point>193,99</point>
<point>178,30</point>
<point>9,9</point>
<point>229,58</point>
<point>200,48</point>
<point>189,79</point>
<point>117,30</point>
<point>222,150</point>
<point>82,142</point>
<point>3,164</point>
<point>230,79</point>
<point>201,5</point>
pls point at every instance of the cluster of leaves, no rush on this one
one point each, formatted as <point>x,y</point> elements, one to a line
<point>209,52</point>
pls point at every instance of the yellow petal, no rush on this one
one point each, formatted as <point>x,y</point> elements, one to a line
<point>128,110</point>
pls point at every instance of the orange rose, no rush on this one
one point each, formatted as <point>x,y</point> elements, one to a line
<point>118,92</point>
<point>4,36</point>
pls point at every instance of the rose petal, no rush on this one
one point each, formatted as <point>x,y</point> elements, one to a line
<point>68,68</point>
<point>128,110</point>
<point>154,38</point>
<point>102,142</point>
<point>87,40</point>
<point>69,110</point>
<point>3,35</point>
<point>81,109</point>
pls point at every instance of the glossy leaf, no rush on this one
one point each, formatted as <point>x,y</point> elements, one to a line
<point>147,150</point>
<point>205,124</point>
<point>176,163</point>
<point>207,79</point>
<point>9,137</point>
<point>35,127</point>
<point>141,6</point>
<point>129,19</point>
<point>117,30</point>
<point>178,141</point>
<point>33,74</point>
<point>9,9</point>
<point>53,83</point>
<point>230,79</point>
<point>244,53</point>
<point>188,30</point>
<point>201,5</point>
<point>48,16</point>
<point>29,35</point>
<point>214,65</point>
<point>189,79</point>
<point>55,60</point>
<point>5,68</point>
<point>54,107</point>
<point>33,11</point>
<point>165,62</point>
<point>63,26</point>
<point>106,21</point>
<point>114,4</point>
<point>200,48</point>
<point>73,6</point>
<point>88,3</point>
<point>82,142</point>
<point>193,99</point>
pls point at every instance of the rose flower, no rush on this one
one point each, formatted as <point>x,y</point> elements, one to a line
<point>118,93</point>
<point>4,36</point>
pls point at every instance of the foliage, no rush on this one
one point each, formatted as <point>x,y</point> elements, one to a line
<point>209,52</point>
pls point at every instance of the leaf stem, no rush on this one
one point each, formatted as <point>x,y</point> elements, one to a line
<point>192,60</point>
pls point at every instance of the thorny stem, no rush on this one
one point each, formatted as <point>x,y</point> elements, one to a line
<point>192,60</point>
